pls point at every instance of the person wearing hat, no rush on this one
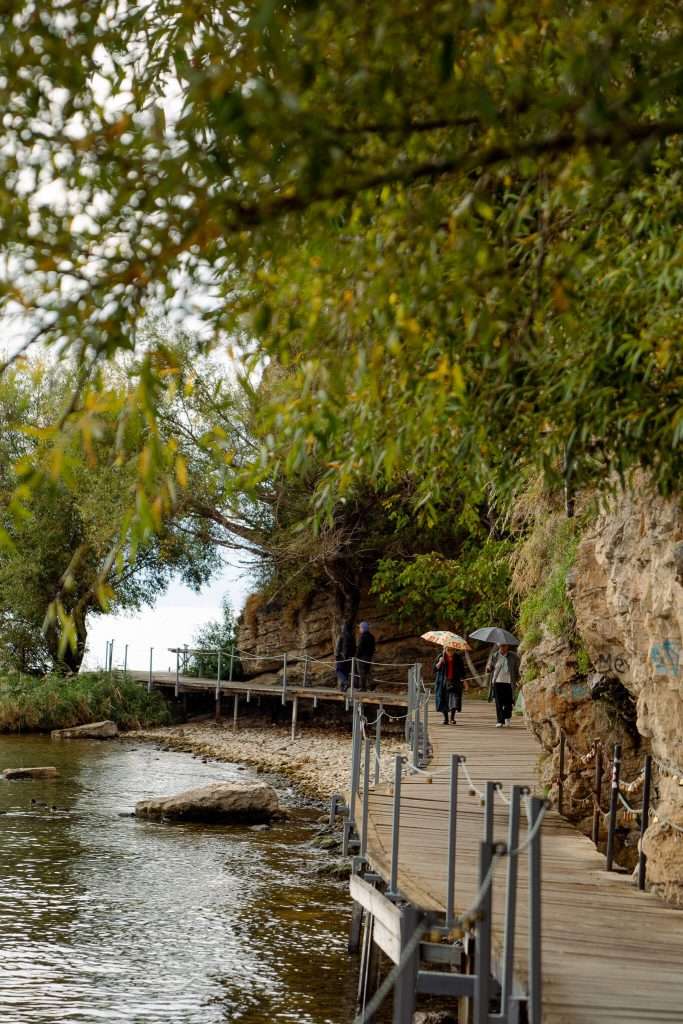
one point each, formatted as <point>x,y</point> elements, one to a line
<point>365,652</point>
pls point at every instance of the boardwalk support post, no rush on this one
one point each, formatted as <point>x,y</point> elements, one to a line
<point>235,708</point>
<point>613,804</point>
<point>560,781</point>
<point>395,826</point>
<point>644,821</point>
<point>537,807</point>
<point>597,795</point>
<point>452,838</point>
<point>295,716</point>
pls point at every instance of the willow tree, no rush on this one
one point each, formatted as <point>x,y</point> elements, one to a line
<point>455,224</point>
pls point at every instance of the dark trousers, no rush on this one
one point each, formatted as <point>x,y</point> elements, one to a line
<point>364,676</point>
<point>502,693</point>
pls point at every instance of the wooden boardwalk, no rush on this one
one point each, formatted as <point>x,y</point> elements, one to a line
<point>611,954</point>
<point>244,687</point>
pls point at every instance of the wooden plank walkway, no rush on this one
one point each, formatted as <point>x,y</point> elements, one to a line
<point>610,953</point>
<point>190,684</point>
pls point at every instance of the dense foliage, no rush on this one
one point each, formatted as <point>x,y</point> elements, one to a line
<point>219,635</point>
<point>441,239</point>
<point>56,702</point>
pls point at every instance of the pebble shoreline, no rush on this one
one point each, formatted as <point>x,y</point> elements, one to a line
<point>317,761</point>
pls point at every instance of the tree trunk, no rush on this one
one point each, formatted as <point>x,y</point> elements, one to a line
<point>71,659</point>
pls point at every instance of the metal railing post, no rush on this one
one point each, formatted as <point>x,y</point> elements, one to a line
<point>355,764</point>
<point>305,683</point>
<point>425,728</point>
<point>613,804</point>
<point>537,805</point>
<point>644,821</point>
<point>378,742</point>
<point>366,798</point>
<point>218,677</point>
<point>560,783</point>
<point>395,825</point>
<point>232,662</point>
<point>111,656</point>
<point>284,678</point>
<point>149,684</point>
<point>416,735</point>
<point>177,671</point>
<point>106,655</point>
<point>482,948</point>
<point>489,799</point>
<point>405,986</point>
<point>125,658</point>
<point>511,898</point>
<point>597,794</point>
<point>353,672</point>
<point>452,840</point>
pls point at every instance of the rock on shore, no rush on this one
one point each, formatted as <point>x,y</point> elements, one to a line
<point>233,803</point>
<point>93,731</point>
<point>30,773</point>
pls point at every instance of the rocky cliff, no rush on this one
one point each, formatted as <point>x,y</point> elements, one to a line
<point>266,630</point>
<point>618,675</point>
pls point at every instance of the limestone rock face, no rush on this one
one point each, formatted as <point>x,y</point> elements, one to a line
<point>30,773</point>
<point>626,589</point>
<point>92,731</point>
<point>232,803</point>
<point>266,631</point>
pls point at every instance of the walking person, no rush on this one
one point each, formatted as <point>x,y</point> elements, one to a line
<point>503,669</point>
<point>450,682</point>
<point>364,655</point>
<point>343,653</point>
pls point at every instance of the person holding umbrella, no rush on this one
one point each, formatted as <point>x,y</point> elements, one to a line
<point>449,670</point>
<point>450,682</point>
<point>503,671</point>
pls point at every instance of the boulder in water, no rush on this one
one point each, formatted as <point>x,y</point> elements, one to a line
<point>232,803</point>
<point>93,731</point>
<point>30,773</point>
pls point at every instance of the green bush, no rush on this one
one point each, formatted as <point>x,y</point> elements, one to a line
<point>547,605</point>
<point>60,702</point>
<point>432,590</point>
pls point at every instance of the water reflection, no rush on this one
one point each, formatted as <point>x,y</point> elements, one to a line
<point>106,918</point>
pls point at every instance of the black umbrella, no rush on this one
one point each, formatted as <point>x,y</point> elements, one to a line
<point>494,635</point>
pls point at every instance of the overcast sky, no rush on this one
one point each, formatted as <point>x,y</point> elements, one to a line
<point>171,622</point>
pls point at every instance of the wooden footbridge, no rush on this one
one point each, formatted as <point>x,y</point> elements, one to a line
<point>547,935</point>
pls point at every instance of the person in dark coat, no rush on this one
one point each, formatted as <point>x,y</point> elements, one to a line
<point>364,655</point>
<point>503,669</point>
<point>343,653</point>
<point>450,682</point>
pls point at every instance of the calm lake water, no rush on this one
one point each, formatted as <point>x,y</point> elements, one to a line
<point>106,918</point>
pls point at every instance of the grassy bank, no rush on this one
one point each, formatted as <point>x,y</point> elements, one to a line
<point>58,702</point>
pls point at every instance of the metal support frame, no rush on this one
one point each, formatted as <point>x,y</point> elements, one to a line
<point>644,821</point>
<point>613,804</point>
<point>482,947</point>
